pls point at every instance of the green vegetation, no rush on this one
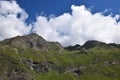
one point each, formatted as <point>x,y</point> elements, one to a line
<point>100,63</point>
<point>30,57</point>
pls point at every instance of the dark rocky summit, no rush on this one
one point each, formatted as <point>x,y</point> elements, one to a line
<point>71,48</point>
<point>92,43</point>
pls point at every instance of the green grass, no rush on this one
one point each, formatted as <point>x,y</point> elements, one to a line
<point>93,62</point>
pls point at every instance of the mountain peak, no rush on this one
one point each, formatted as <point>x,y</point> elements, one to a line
<point>33,34</point>
<point>72,48</point>
<point>92,43</point>
<point>32,40</point>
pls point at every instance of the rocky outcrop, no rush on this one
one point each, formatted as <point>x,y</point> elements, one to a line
<point>20,75</point>
<point>71,48</point>
<point>39,67</point>
<point>91,44</point>
<point>33,41</point>
<point>76,71</point>
<point>42,67</point>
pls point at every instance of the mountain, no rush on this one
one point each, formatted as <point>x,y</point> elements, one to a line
<point>76,47</point>
<point>92,43</point>
<point>31,57</point>
<point>33,41</point>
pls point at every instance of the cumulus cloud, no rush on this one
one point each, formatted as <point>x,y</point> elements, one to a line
<point>10,24</point>
<point>78,27</point>
<point>68,29</point>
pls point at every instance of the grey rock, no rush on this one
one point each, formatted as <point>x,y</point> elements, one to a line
<point>33,41</point>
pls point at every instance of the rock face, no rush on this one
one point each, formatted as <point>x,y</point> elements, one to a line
<point>87,45</point>
<point>32,40</point>
<point>71,48</point>
<point>91,44</point>
<point>20,75</point>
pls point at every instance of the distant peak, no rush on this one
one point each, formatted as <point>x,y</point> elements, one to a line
<point>75,47</point>
<point>92,43</point>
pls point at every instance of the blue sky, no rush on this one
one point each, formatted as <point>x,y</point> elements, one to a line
<point>68,22</point>
<point>58,7</point>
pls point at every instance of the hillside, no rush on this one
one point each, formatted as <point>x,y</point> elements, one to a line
<point>31,57</point>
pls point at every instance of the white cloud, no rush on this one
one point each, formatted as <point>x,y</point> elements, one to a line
<point>107,10</point>
<point>68,29</point>
<point>10,24</point>
<point>78,27</point>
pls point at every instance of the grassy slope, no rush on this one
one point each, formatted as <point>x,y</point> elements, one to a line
<point>93,63</point>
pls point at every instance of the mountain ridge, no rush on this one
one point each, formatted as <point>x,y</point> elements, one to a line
<point>35,41</point>
<point>91,44</point>
<point>21,58</point>
<point>32,40</point>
